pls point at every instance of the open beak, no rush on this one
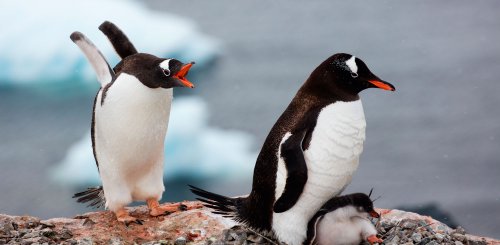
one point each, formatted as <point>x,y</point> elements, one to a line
<point>382,84</point>
<point>374,214</point>
<point>181,75</point>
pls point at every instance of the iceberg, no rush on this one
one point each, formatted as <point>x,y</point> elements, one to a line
<point>36,49</point>
<point>193,149</point>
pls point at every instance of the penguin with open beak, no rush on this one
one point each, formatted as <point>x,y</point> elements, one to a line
<point>129,123</point>
<point>309,156</point>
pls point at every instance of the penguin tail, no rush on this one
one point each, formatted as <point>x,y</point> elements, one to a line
<point>94,195</point>
<point>226,206</point>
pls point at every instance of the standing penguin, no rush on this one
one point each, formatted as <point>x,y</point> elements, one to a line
<point>310,154</point>
<point>129,124</point>
<point>343,220</point>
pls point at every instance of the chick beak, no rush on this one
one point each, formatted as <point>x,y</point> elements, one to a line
<point>374,214</point>
<point>182,73</point>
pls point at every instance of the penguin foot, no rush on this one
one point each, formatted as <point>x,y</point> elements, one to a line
<point>155,209</point>
<point>184,207</point>
<point>123,216</point>
<point>374,239</point>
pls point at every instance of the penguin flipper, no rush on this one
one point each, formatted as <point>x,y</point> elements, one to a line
<point>312,228</point>
<point>293,155</point>
<point>118,39</point>
<point>101,66</point>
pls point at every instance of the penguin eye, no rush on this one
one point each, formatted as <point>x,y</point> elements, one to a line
<point>354,75</point>
<point>165,67</point>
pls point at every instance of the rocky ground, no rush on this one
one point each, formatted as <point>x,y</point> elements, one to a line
<point>199,226</point>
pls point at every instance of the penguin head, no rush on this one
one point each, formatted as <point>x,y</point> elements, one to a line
<point>156,72</point>
<point>363,204</point>
<point>348,74</point>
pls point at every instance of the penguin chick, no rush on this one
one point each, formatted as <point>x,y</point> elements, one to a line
<point>344,220</point>
<point>129,123</point>
<point>309,156</point>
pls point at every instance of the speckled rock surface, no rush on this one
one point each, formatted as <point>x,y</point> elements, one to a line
<point>199,226</point>
<point>400,227</point>
<point>194,226</point>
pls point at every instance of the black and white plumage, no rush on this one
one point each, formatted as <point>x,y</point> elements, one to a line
<point>129,123</point>
<point>310,154</point>
<point>343,220</point>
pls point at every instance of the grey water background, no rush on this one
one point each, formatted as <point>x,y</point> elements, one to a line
<point>435,140</point>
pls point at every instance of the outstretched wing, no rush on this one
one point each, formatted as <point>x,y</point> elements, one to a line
<point>101,67</point>
<point>118,39</point>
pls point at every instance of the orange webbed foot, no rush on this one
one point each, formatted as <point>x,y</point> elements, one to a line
<point>155,209</point>
<point>123,216</point>
<point>374,239</point>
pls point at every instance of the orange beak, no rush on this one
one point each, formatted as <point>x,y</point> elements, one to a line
<point>182,73</point>
<point>374,214</point>
<point>382,85</point>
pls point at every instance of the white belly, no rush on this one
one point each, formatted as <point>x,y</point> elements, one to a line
<point>130,129</point>
<point>332,158</point>
<point>344,227</point>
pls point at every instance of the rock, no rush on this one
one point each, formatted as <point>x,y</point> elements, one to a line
<point>409,224</point>
<point>200,226</point>
<point>393,240</point>
<point>460,230</point>
<point>458,237</point>
<point>439,237</point>
<point>180,241</point>
<point>416,237</point>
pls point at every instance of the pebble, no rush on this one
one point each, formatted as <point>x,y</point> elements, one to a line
<point>416,237</point>
<point>6,228</point>
<point>458,236</point>
<point>394,240</point>
<point>458,243</point>
<point>180,241</point>
<point>424,241</point>
<point>211,240</point>
<point>439,237</point>
<point>409,224</point>
<point>460,230</point>
<point>194,234</point>
<point>47,232</point>
<point>65,234</point>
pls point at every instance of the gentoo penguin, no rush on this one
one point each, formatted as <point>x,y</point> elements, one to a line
<point>129,124</point>
<point>343,220</point>
<point>310,154</point>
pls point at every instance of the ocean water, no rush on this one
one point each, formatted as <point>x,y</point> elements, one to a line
<point>435,140</point>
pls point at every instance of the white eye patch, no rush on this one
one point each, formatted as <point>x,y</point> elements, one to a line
<point>165,65</point>
<point>351,63</point>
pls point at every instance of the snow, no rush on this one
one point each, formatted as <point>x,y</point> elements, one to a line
<point>35,46</point>
<point>192,149</point>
